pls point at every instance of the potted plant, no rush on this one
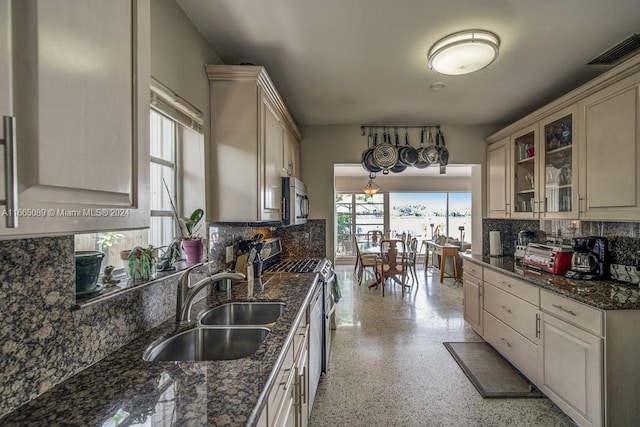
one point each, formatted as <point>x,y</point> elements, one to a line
<point>140,263</point>
<point>192,244</point>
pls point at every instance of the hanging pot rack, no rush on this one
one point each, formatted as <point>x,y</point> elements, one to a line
<point>364,128</point>
<point>382,155</point>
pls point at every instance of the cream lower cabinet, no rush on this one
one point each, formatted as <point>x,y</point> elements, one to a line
<point>609,153</point>
<point>246,154</point>
<point>79,95</point>
<point>571,370</point>
<point>511,321</point>
<point>288,402</point>
<point>472,295</point>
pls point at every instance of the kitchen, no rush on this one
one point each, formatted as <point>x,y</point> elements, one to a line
<point>177,55</point>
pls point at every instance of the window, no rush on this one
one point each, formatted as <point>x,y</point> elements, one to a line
<point>163,143</point>
<point>420,214</point>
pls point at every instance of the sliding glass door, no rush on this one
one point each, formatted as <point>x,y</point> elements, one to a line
<point>356,214</point>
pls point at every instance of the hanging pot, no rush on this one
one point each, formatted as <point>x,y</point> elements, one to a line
<point>444,152</point>
<point>399,166</point>
<point>385,155</point>
<point>367,155</point>
<point>430,153</point>
<point>421,163</point>
<point>407,154</point>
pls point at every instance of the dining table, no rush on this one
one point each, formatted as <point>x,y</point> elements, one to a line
<point>373,248</point>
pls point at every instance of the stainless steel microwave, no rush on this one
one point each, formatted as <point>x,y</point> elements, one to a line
<point>295,210</point>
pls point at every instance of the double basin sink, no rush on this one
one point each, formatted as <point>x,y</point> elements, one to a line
<point>226,332</point>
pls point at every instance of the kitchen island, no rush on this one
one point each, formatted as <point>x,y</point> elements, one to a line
<point>123,388</point>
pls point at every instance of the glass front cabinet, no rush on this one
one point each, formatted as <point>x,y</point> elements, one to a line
<point>524,203</point>
<point>557,172</point>
<point>544,168</point>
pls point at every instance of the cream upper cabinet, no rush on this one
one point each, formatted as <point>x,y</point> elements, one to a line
<point>498,166</point>
<point>290,154</point>
<point>558,166</point>
<point>249,122</point>
<point>610,152</point>
<point>79,96</point>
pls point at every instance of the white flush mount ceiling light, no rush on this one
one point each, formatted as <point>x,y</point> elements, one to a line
<point>464,52</point>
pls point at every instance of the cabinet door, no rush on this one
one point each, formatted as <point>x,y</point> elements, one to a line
<point>287,153</point>
<point>559,165</point>
<point>270,153</point>
<point>610,152</point>
<point>295,158</point>
<point>571,370</point>
<point>472,301</point>
<point>303,387</point>
<point>523,179</point>
<point>498,179</point>
<point>81,104</point>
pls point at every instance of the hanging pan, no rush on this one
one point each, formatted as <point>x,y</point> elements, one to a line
<point>367,155</point>
<point>407,154</point>
<point>399,166</point>
<point>444,152</point>
<point>421,163</point>
<point>385,155</point>
<point>430,153</point>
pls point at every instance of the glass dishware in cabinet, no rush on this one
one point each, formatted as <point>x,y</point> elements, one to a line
<point>558,166</point>
<point>524,173</point>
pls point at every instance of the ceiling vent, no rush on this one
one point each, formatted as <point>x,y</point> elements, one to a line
<point>618,52</point>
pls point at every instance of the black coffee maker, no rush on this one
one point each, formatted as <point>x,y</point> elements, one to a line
<point>589,260</point>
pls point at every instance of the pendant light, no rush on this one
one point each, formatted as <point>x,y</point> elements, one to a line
<point>371,188</point>
<point>463,52</point>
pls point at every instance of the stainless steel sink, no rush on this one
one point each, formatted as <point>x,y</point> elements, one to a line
<point>263,313</point>
<point>208,343</point>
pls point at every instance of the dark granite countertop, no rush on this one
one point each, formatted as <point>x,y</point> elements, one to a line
<point>602,294</point>
<point>124,388</point>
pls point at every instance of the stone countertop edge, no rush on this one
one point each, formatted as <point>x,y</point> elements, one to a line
<point>601,294</point>
<point>225,392</point>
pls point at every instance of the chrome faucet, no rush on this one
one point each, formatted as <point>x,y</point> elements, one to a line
<point>187,292</point>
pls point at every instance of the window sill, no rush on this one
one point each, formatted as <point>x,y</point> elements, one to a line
<point>128,285</point>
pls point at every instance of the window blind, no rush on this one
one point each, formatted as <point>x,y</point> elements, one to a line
<point>173,105</point>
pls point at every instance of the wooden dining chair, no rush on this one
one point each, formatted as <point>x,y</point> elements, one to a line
<point>412,258</point>
<point>374,236</point>
<point>393,263</point>
<point>363,262</point>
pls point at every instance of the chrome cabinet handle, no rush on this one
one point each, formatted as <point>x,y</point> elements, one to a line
<point>11,171</point>
<point>506,342</point>
<point>559,307</point>
<point>537,325</point>
<point>505,308</point>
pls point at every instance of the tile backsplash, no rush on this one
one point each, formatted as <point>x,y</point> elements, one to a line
<point>45,338</point>
<point>623,237</point>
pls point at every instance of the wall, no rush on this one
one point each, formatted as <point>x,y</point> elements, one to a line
<point>324,146</point>
<point>44,338</point>
<point>178,56</point>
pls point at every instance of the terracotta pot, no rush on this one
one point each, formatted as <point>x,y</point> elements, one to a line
<point>192,250</point>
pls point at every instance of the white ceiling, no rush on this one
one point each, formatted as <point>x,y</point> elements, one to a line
<point>364,61</point>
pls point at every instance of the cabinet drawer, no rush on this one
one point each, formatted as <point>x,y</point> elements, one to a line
<point>512,285</point>
<point>283,383</point>
<point>300,340</point>
<point>581,315</point>
<point>515,312</point>
<point>471,268</point>
<point>513,346</point>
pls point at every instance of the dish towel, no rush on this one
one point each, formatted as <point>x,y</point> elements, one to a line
<point>336,289</point>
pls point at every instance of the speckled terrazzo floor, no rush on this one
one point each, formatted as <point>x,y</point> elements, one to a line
<point>388,365</point>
